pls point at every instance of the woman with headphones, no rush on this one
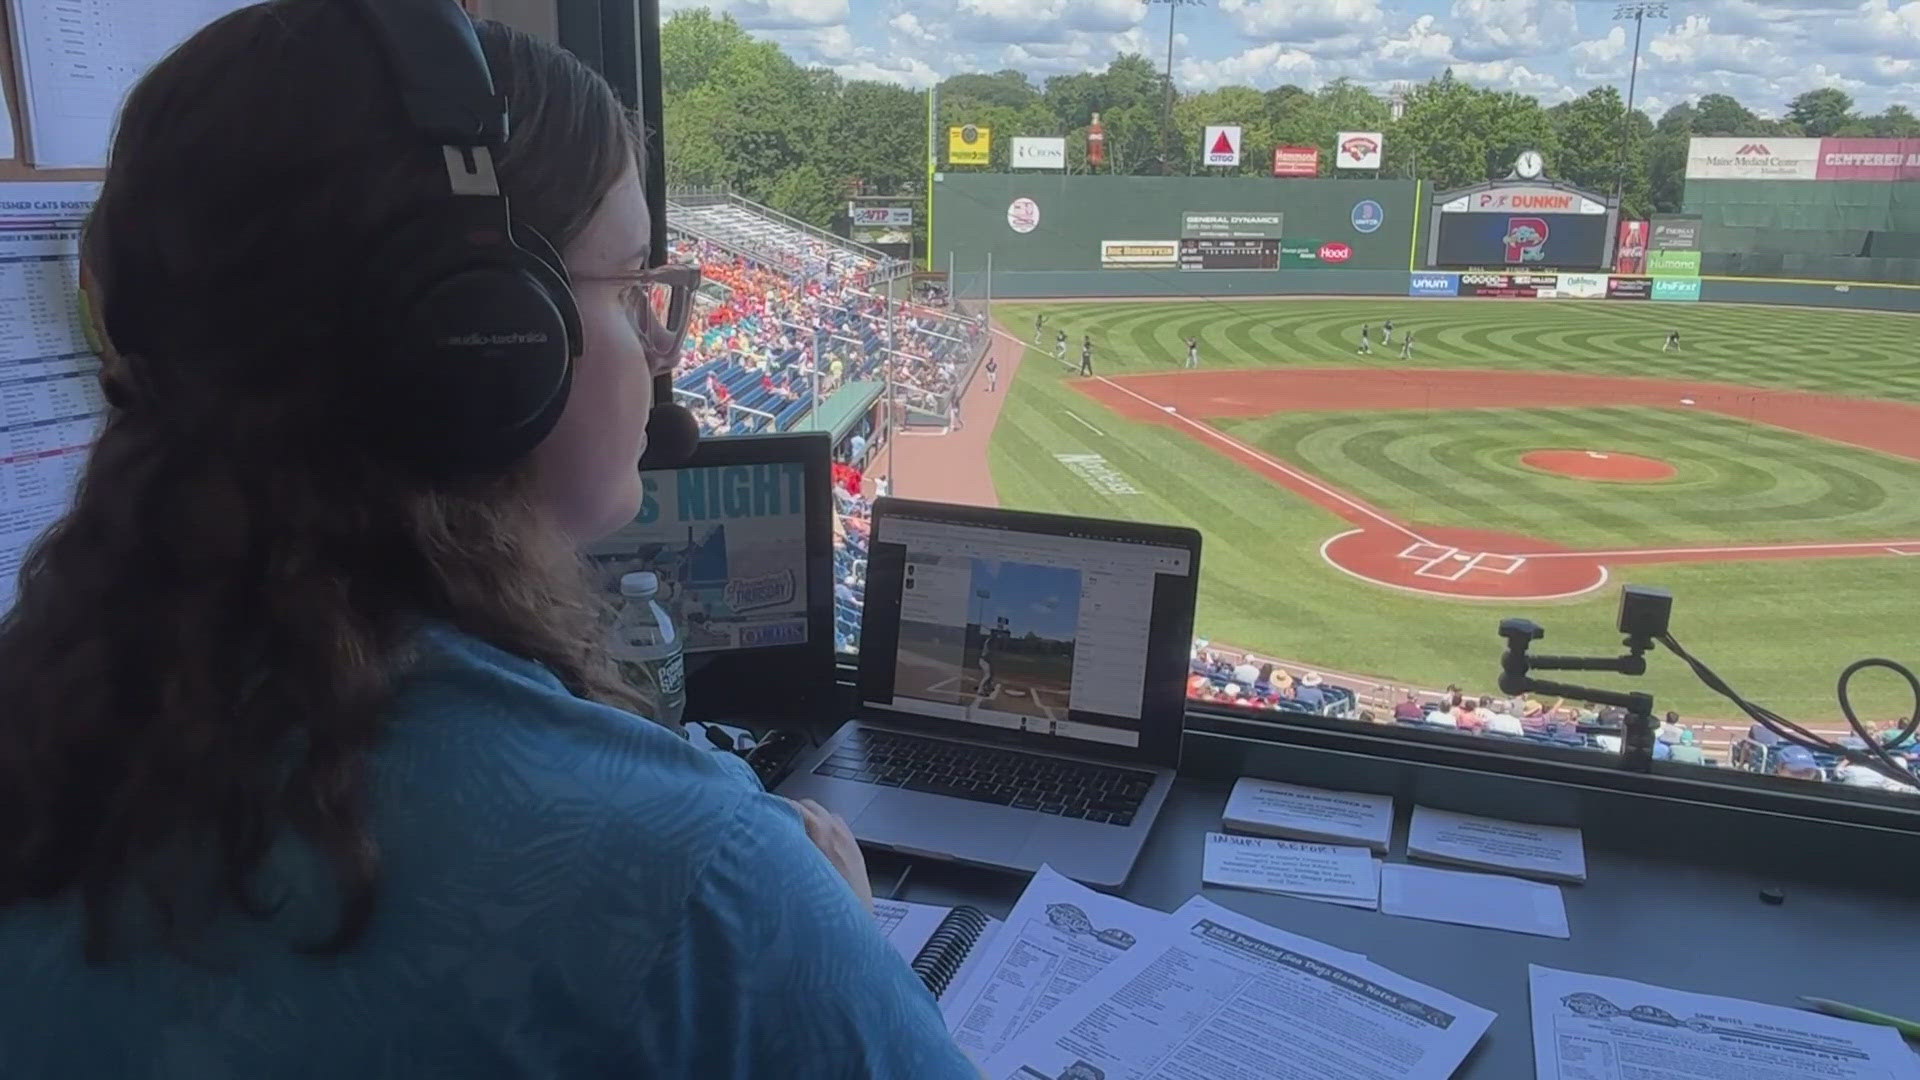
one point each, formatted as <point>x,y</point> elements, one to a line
<point>312,761</point>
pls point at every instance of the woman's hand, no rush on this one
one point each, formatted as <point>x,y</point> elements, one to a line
<point>830,834</point>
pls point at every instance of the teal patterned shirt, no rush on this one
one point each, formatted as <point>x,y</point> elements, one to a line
<point>567,891</point>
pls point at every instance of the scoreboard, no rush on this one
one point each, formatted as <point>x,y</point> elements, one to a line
<point>1230,239</point>
<point>1212,254</point>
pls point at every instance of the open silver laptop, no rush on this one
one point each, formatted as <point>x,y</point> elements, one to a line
<point>1023,682</point>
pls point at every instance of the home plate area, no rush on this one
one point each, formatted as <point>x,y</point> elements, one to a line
<point>1451,564</point>
<point>1463,563</point>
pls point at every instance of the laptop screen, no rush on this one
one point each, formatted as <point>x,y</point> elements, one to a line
<point>1057,629</point>
<point>740,539</point>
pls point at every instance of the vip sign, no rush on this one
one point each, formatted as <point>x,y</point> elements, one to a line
<point>1222,145</point>
<point>1357,150</point>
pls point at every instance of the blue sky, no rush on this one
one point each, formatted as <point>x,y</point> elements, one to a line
<point>1044,600</point>
<point>1761,51</point>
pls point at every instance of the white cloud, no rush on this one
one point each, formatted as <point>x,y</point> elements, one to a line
<point>1302,21</point>
<point>1761,51</point>
<point>1262,67</point>
<point>787,14</point>
<point>1081,52</point>
<point>1511,75</point>
<point>1506,29</point>
<point>1026,21</point>
<point>1602,55</point>
<point>1695,45</point>
<point>1423,51</point>
<point>908,72</point>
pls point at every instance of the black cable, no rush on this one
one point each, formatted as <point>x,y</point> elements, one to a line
<point>1874,757</point>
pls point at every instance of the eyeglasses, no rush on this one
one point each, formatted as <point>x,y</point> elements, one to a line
<point>660,301</point>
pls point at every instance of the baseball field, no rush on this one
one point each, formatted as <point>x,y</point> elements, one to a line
<point>1379,515</point>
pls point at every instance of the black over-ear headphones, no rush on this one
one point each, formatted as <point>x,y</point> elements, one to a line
<point>472,309</point>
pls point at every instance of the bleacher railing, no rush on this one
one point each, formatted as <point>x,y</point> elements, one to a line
<point>886,267</point>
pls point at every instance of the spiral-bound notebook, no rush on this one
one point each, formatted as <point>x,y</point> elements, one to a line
<point>938,942</point>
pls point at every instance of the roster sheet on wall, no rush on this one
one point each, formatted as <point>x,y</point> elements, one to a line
<point>50,401</point>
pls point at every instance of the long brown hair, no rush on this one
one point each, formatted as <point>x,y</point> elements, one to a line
<point>202,650</point>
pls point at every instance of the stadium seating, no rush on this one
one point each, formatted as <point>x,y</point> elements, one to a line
<point>749,365</point>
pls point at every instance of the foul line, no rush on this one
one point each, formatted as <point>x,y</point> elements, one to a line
<point>1735,549</point>
<point>1300,477</point>
<point>1361,508</point>
<point>1084,424</point>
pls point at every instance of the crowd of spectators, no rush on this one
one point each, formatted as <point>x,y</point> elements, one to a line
<point>1229,678</point>
<point>765,340</point>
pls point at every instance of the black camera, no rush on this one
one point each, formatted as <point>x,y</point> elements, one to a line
<point>1644,612</point>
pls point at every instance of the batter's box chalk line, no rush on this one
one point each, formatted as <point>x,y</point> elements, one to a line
<point>1451,564</point>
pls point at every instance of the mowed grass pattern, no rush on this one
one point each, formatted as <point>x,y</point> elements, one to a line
<point>1738,483</point>
<point>1861,354</point>
<point>1778,630</point>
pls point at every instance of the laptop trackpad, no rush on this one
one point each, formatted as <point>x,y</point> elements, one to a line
<point>954,827</point>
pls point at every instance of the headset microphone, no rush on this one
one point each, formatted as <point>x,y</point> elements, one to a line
<point>672,432</point>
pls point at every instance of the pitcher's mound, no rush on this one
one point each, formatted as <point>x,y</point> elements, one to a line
<point>1595,465</point>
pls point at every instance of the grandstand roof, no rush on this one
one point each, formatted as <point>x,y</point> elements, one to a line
<point>845,406</point>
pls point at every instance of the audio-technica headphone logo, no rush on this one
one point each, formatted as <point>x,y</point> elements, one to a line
<point>476,339</point>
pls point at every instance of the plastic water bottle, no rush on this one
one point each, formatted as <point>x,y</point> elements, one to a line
<point>648,648</point>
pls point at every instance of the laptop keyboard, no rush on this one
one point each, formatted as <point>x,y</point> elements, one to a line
<point>984,774</point>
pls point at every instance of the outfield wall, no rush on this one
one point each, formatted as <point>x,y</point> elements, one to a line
<point>1061,235</point>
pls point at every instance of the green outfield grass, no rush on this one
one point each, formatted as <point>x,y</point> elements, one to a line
<point>1778,630</point>
<point>1737,482</point>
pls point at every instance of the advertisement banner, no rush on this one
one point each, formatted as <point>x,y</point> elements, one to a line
<point>1676,288</point>
<point>1358,150</point>
<point>1433,285</point>
<point>1299,254</point>
<point>1869,159</point>
<point>1673,263</point>
<point>1231,225</point>
<point>1221,145</point>
<point>1030,153</point>
<point>1512,286</point>
<point>1367,216</point>
<point>1760,157</point>
<point>1523,199</point>
<point>1630,254</point>
<point>1139,254</point>
<point>1296,161</point>
<point>721,539</point>
<point>879,216</point>
<point>968,144</point>
<point>1675,232</point>
<point>1583,286</point>
<point>1629,288</point>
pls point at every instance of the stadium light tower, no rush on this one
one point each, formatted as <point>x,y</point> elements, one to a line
<point>1638,11</point>
<point>1166,119</point>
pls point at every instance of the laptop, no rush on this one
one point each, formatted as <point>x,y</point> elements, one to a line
<point>742,538</point>
<point>1023,685</point>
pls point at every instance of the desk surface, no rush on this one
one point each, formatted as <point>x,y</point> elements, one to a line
<point>1659,920</point>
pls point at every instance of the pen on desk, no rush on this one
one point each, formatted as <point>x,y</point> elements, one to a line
<point>1844,1011</point>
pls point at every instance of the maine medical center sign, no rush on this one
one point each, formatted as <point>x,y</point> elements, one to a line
<point>1767,158</point>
